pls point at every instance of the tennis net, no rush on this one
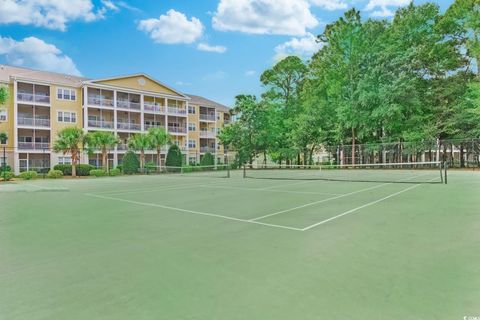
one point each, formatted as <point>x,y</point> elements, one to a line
<point>418,172</point>
<point>214,171</point>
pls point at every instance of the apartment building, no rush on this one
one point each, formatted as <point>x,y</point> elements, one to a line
<point>42,103</point>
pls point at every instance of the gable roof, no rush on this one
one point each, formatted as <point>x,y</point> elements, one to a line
<point>204,102</point>
<point>7,72</point>
<point>139,75</point>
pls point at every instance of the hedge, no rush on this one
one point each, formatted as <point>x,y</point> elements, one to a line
<point>54,174</point>
<point>115,172</point>
<point>82,169</point>
<point>207,160</point>
<point>28,175</point>
<point>174,158</point>
<point>130,163</point>
<point>7,176</point>
<point>98,173</point>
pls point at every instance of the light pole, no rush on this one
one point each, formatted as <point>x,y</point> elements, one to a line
<point>3,141</point>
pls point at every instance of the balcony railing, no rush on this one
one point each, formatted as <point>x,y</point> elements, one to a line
<point>207,134</point>
<point>100,101</point>
<point>33,145</point>
<point>149,126</point>
<point>207,117</point>
<point>122,146</point>
<point>175,110</point>
<point>177,129</point>
<point>129,126</point>
<point>34,98</point>
<point>207,149</point>
<point>153,107</point>
<point>125,104</point>
<point>100,124</point>
<point>33,122</point>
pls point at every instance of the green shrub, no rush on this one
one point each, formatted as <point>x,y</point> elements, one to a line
<point>174,158</point>
<point>28,175</point>
<point>82,169</point>
<point>98,173</point>
<point>130,163</point>
<point>207,160</point>
<point>115,172</point>
<point>119,167</point>
<point>7,168</point>
<point>7,176</point>
<point>54,174</point>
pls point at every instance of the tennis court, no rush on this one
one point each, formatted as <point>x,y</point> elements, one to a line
<point>282,243</point>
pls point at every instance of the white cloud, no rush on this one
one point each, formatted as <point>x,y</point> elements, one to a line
<point>206,47</point>
<point>35,53</point>
<point>250,73</point>
<point>303,47</point>
<point>174,27</point>
<point>288,17</point>
<point>52,14</point>
<point>330,4</point>
<point>382,7</point>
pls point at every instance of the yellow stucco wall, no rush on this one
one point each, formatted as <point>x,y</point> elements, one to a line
<point>133,83</point>
<point>8,125</point>
<point>64,105</point>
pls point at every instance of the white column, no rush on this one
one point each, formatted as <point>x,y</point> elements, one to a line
<point>216,142</point>
<point>85,108</point>
<point>188,136</point>
<point>16,161</point>
<point>142,122</point>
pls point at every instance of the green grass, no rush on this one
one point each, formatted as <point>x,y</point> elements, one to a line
<point>169,247</point>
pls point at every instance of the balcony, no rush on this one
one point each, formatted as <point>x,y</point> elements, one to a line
<point>177,111</point>
<point>33,122</point>
<point>207,149</point>
<point>129,126</point>
<point>33,98</point>
<point>207,134</point>
<point>100,124</point>
<point>177,129</point>
<point>153,107</point>
<point>150,126</point>
<point>207,117</point>
<point>125,104</point>
<point>122,146</point>
<point>101,101</point>
<point>33,146</point>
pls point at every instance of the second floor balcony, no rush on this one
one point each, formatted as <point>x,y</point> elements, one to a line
<point>177,111</point>
<point>207,117</point>
<point>33,122</point>
<point>207,149</point>
<point>33,98</point>
<point>172,129</point>
<point>153,107</point>
<point>126,104</point>
<point>100,124</point>
<point>102,101</point>
<point>128,126</point>
<point>33,146</point>
<point>207,134</point>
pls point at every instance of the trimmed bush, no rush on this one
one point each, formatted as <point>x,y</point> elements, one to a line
<point>115,172</point>
<point>174,158</point>
<point>7,176</point>
<point>7,168</point>
<point>130,163</point>
<point>119,167</point>
<point>207,160</point>
<point>98,173</point>
<point>83,170</point>
<point>28,175</point>
<point>54,174</point>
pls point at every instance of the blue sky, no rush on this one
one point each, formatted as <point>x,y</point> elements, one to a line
<point>213,48</point>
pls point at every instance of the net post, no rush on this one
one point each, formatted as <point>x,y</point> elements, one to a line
<point>445,171</point>
<point>440,165</point>
<point>228,171</point>
<point>244,171</point>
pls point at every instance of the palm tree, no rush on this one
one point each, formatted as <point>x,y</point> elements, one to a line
<point>3,95</point>
<point>158,138</point>
<point>102,140</point>
<point>140,142</point>
<point>69,140</point>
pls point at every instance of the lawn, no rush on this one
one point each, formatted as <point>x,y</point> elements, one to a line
<point>193,247</point>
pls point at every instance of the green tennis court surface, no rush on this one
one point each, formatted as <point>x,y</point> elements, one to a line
<point>269,247</point>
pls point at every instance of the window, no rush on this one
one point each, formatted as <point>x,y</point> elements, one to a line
<point>64,116</point>
<point>191,109</point>
<point>192,127</point>
<point>64,160</point>
<point>3,114</point>
<point>192,160</point>
<point>66,94</point>
<point>192,144</point>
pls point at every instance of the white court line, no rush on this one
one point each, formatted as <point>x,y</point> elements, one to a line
<point>269,190</point>
<point>361,207</point>
<point>183,186</point>
<point>284,185</point>
<point>192,212</point>
<point>328,199</point>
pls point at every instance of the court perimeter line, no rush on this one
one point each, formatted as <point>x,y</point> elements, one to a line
<point>192,212</point>
<point>328,199</point>
<point>361,207</point>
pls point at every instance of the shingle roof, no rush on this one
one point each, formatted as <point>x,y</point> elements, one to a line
<point>204,102</point>
<point>9,71</point>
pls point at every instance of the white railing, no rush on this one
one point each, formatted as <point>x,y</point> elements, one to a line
<point>100,101</point>
<point>207,134</point>
<point>207,149</point>
<point>175,110</point>
<point>33,122</point>
<point>153,107</point>
<point>122,146</point>
<point>177,129</point>
<point>125,104</point>
<point>33,145</point>
<point>30,97</point>
<point>207,117</point>
<point>100,124</point>
<point>129,126</point>
<point>149,126</point>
